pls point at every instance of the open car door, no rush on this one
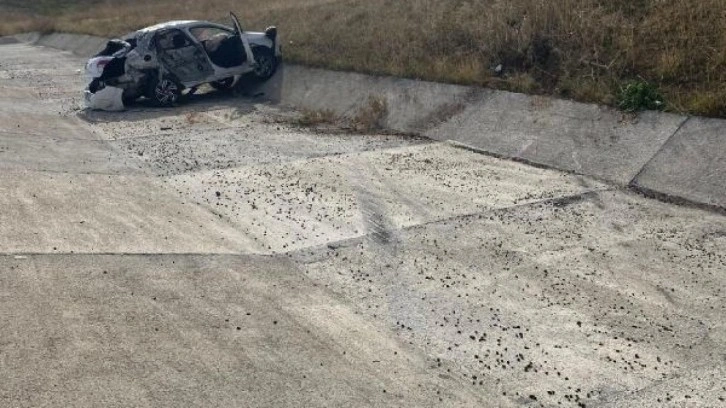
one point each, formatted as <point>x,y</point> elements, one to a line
<point>245,42</point>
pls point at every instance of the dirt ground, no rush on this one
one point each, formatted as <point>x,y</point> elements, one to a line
<point>217,254</point>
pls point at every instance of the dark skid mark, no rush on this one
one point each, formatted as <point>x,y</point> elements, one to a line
<point>567,201</point>
<point>380,233</point>
<point>379,226</point>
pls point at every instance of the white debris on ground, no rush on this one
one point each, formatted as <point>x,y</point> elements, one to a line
<point>107,99</point>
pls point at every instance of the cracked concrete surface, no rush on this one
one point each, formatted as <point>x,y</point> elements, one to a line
<point>216,255</point>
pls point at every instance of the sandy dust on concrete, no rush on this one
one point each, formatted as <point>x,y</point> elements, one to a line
<point>215,255</point>
<point>191,330</point>
<point>311,202</point>
<point>586,301</point>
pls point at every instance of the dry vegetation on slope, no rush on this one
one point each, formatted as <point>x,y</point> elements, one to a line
<point>582,49</point>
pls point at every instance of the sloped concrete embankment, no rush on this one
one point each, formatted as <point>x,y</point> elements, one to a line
<point>81,45</point>
<point>692,165</point>
<point>668,156</point>
<point>665,155</point>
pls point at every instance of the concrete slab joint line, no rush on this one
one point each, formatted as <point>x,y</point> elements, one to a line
<point>690,167</point>
<point>632,182</point>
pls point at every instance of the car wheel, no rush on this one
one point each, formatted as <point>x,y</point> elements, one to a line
<point>223,84</point>
<point>265,63</point>
<point>166,91</point>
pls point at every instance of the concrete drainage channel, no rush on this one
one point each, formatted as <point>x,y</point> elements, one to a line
<point>666,156</point>
<point>215,254</point>
<point>674,156</point>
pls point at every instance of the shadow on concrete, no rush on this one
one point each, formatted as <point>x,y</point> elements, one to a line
<point>144,109</point>
<point>270,90</point>
<point>242,99</point>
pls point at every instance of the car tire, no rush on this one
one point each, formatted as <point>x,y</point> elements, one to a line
<point>265,63</point>
<point>165,91</point>
<point>223,84</point>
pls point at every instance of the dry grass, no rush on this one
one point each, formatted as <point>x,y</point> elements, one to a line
<point>581,49</point>
<point>314,118</point>
<point>367,118</point>
<point>18,22</point>
<point>370,116</point>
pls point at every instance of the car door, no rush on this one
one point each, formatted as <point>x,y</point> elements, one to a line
<point>245,42</point>
<point>182,56</point>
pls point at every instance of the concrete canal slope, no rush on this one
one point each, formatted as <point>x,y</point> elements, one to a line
<point>692,165</point>
<point>219,254</point>
<point>582,138</point>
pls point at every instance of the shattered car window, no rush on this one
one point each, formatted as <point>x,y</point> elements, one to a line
<point>212,39</point>
<point>203,34</point>
<point>172,39</point>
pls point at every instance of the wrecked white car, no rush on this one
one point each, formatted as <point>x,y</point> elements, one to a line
<point>162,61</point>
